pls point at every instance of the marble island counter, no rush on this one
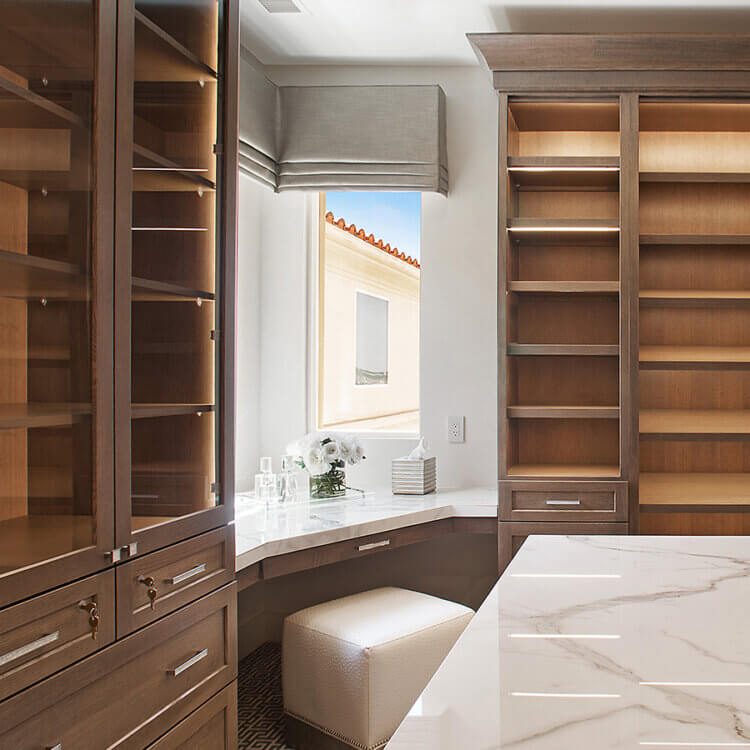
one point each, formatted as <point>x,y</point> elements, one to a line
<point>262,532</point>
<point>589,643</point>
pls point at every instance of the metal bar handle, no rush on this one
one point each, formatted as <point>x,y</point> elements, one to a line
<point>189,663</point>
<point>563,502</point>
<point>187,574</point>
<point>373,545</point>
<point>17,653</point>
<point>58,746</point>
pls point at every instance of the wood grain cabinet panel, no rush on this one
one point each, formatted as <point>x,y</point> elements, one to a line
<point>50,632</point>
<point>178,574</point>
<point>213,726</point>
<point>563,501</point>
<point>131,693</point>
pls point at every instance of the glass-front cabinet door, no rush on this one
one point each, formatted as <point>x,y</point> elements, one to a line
<point>56,121</point>
<point>167,280</point>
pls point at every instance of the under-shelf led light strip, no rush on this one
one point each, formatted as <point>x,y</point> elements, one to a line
<point>563,169</point>
<point>563,229</point>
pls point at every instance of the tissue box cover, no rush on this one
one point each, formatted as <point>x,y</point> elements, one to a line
<point>414,476</point>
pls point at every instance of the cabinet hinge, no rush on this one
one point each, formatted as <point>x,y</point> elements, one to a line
<point>215,488</point>
<point>218,149</point>
<point>214,335</point>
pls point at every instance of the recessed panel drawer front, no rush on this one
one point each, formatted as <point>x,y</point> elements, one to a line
<point>154,585</point>
<point>213,726</point>
<point>563,501</point>
<point>49,632</point>
<point>131,693</point>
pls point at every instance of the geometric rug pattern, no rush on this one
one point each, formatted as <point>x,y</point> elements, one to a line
<point>260,708</point>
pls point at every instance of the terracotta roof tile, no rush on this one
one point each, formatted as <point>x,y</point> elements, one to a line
<point>370,239</point>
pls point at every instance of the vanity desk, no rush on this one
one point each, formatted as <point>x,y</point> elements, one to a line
<point>292,556</point>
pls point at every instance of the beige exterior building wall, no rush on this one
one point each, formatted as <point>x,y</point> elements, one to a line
<point>351,265</point>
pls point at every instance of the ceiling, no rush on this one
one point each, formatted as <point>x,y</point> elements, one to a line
<point>432,32</point>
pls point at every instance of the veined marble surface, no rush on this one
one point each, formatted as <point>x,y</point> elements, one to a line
<point>262,531</point>
<point>596,643</point>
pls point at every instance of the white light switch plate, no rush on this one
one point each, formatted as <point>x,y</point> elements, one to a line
<point>455,429</point>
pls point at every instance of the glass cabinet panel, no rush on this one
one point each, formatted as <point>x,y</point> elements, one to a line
<point>173,243</point>
<point>47,63</point>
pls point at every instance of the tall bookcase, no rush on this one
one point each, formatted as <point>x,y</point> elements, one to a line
<point>118,180</point>
<point>624,283</point>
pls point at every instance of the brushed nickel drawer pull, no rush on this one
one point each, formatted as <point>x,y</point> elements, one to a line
<point>563,502</point>
<point>187,574</point>
<point>17,653</point>
<point>373,545</point>
<point>189,663</point>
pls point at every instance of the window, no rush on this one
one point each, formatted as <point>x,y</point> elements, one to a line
<point>372,340</point>
<point>367,344</point>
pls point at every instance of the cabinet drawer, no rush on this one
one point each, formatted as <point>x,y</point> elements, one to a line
<point>563,501</point>
<point>129,694</point>
<point>49,632</point>
<point>213,726</point>
<point>180,574</point>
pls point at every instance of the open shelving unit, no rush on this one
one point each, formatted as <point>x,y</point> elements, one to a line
<point>694,320</point>
<point>562,283</point>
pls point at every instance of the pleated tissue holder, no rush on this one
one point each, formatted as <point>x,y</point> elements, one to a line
<point>415,474</point>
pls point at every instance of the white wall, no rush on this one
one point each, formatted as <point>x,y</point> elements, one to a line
<point>459,292</point>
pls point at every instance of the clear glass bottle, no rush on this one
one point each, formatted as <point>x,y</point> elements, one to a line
<point>287,481</point>
<point>265,481</point>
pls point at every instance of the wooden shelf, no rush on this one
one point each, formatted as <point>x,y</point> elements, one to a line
<point>564,350</point>
<point>563,412</point>
<point>31,110</point>
<point>694,297</point>
<point>694,489</point>
<point>545,471</point>
<point>28,277</point>
<point>565,287</point>
<point>571,172</point>
<point>160,57</point>
<point>693,357</point>
<point>29,539</point>
<point>14,416</point>
<point>694,176</point>
<point>583,226</point>
<point>695,239</point>
<point>153,173</point>
<point>147,290</point>
<point>694,424</point>
<point>151,411</point>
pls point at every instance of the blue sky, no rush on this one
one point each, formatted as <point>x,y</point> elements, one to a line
<point>392,217</point>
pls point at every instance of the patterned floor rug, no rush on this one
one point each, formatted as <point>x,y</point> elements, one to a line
<point>260,718</point>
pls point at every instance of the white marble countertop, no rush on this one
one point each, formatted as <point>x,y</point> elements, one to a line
<point>596,643</point>
<point>265,531</point>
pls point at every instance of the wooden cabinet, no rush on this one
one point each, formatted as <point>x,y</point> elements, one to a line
<point>154,585</point>
<point>213,725</point>
<point>118,182</point>
<point>56,197</point>
<point>623,271</point>
<point>130,693</point>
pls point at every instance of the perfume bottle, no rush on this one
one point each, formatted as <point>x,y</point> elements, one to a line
<point>265,482</point>
<point>286,482</point>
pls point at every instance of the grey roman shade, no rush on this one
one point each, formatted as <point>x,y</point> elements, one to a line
<point>343,137</point>
<point>258,120</point>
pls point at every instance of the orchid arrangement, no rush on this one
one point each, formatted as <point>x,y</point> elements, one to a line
<point>325,456</point>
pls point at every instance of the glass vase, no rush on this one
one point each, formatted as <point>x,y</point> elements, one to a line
<point>330,484</point>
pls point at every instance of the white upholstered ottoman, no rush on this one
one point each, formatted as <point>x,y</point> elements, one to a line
<point>353,667</point>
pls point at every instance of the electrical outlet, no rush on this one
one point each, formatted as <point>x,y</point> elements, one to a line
<point>455,429</point>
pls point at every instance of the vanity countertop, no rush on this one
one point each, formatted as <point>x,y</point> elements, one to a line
<point>262,531</point>
<point>596,643</point>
